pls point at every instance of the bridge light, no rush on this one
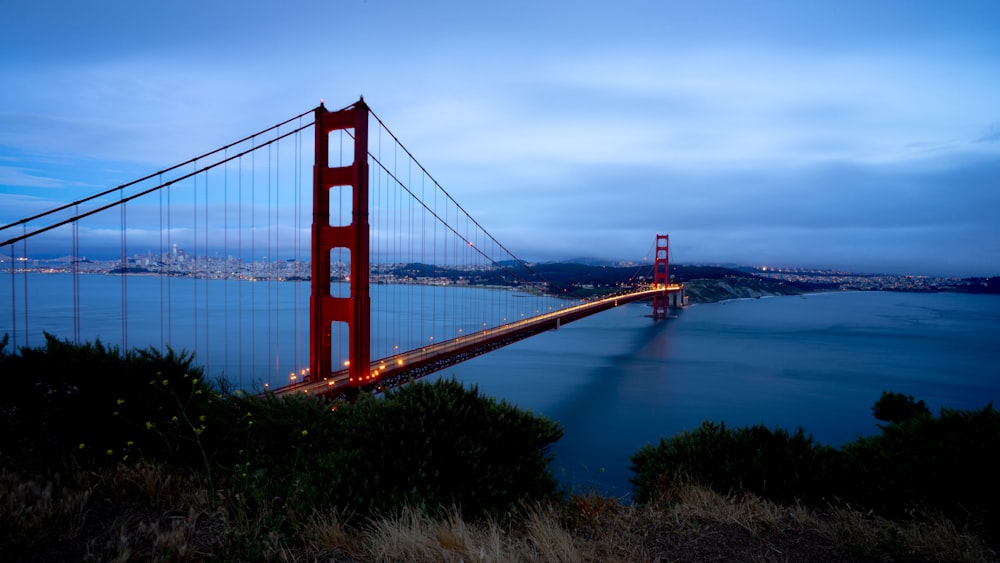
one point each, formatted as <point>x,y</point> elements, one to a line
<point>399,362</point>
<point>347,363</point>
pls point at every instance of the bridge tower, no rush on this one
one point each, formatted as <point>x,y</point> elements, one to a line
<point>355,309</point>
<point>661,275</point>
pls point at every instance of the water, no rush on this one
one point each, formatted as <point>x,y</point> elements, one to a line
<point>617,380</point>
<point>620,380</point>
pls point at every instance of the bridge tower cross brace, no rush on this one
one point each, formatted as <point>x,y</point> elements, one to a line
<point>661,275</point>
<point>324,309</point>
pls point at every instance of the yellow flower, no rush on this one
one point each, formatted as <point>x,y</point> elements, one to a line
<point>165,382</point>
<point>130,443</point>
<point>174,418</point>
<point>149,425</point>
<point>110,452</point>
<point>121,401</point>
<point>82,445</point>
<point>305,432</point>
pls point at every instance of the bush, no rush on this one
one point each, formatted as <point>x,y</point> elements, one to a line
<point>433,445</point>
<point>944,463</point>
<point>919,463</point>
<point>427,445</point>
<point>774,464</point>
<point>897,407</point>
<point>97,404</point>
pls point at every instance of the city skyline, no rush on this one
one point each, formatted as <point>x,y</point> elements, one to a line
<point>840,135</point>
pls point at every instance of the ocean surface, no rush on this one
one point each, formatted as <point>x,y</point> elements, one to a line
<point>615,381</point>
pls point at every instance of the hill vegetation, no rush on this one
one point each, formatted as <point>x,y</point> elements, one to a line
<point>130,455</point>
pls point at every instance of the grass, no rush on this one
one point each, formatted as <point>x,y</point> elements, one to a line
<point>146,511</point>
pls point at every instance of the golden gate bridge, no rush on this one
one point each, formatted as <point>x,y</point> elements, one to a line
<point>380,258</point>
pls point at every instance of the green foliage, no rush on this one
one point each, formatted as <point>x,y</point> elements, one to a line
<point>774,464</point>
<point>946,463</point>
<point>942,464</point>
<point>433,445</point>
<point>428,445</point>
<point>97,404</point>
<point>897,407</point>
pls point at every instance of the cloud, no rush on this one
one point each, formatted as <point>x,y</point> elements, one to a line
<point>991,135</point>
<point>11,176</point>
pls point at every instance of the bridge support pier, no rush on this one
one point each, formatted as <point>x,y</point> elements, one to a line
<point>324,309</point>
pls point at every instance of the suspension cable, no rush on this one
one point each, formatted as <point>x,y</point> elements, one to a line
<point>148,177</point>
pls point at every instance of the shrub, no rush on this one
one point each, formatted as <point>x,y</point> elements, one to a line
<point>433,445</point>
<point>97,404</point>
<point>944,463</point>
<point>774,464</point>
<point>896,407</point>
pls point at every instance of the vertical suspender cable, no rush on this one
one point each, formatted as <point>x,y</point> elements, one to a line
<point>226,266</point>
<point>24,279</point>
<point>269,264</point>
<point>296,207</point>
<point>193,267</point>
<point>13,294</point>
<point>124,265</point>
<point>206,262</point>
<point>409,260</point>
<point>374,247</point>
<point>76,277</point>
<point>239,262</point>
<point>159,265</point>
<point>253,260</point>
<point>275,258</point>
<point>171,253</point>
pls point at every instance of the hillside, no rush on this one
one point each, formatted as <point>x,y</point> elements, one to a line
<point>721,289</point>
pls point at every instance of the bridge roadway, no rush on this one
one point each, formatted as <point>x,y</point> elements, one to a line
<point>423,361</point>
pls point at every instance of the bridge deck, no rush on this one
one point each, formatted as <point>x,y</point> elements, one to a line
<point>426,360</point>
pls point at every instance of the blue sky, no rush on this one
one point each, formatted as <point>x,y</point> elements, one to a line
<point>846,134</point>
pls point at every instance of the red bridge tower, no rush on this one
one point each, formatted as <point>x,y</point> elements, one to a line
<point>661,275</point>
<point>324,309</point>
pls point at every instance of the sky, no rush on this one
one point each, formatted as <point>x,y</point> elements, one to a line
<point>852,135</point>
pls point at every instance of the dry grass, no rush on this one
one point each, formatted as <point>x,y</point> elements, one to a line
<point>41,510</point>
<point>145,512</point>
